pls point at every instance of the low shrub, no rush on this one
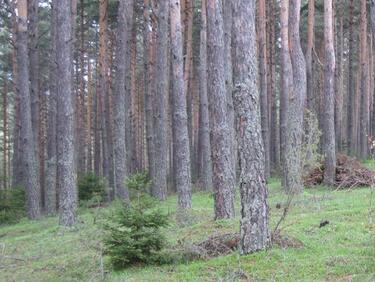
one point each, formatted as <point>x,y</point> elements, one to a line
<point>12,205</point>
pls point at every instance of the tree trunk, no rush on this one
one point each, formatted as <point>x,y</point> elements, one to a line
<point>159,189</point>
<point>66,176</point>
<point>204,127</point>
<point>364,113</point>
<point>350,88</point>
<point>51,172</point>
<point>297,96</point>
<point>262,37</point>
<point>309,54</point>
<point>119,114</point>
<point>254,230</point>
<point>5,133</point>
<point>223,178</point>
<point>29,159</point>
<point>181,147</point>
<point>329,148</point>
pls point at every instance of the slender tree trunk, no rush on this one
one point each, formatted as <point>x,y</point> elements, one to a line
<point>262,37</point>
<point>223,178</point>
<point>29,159</point>
<point>119,114</point>
<point>254,230</point>
<point>51,172</point>
<point>297,95</point>
<point>89,118</point>
<point>204,127</point>
<point>181,147</point>
<point>329,148</point>
<point>309,54</point>
<point>339,89</point>
<point>5,133</point>
<point>350,88</point>
<point>364,112</point>
<point>66,176</point>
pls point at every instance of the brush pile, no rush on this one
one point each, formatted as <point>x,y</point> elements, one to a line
<point>350,173</point>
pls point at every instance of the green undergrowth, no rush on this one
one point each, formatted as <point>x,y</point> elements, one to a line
<point>343,250</point>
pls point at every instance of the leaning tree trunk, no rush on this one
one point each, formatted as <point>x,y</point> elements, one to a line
<point>297,96</point>
<point>66,176</point>
<point>159,188</point>
<point>181,146</point>
<point>329,98</point>
<point>204,118</point>
<point>119,114</point>
<point>223,178</point>
<point>254,230</point>
<point>29,159</point>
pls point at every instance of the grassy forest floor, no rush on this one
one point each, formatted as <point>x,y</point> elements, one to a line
<point>343,250</point>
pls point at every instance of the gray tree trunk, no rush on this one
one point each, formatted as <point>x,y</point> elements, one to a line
<point>223,179</point>
<point>329,146</point>
<point>351,83</point>
<point>181,145</point>
<point>297,96</point>
<point>119,114</point>
<point>263,84</point>
<point>29,159</point>
<point>254,230</point>
<point>159,188</point>
<point>204,127</point>
<point>66,175</point>
<point>51,170</point>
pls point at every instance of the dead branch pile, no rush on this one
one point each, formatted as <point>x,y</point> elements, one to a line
<point>349,173</point>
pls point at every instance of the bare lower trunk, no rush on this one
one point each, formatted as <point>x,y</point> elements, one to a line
<point>181,146</point>
<point>254,230</point>
<point>66,175</point>
<point>220,132</point>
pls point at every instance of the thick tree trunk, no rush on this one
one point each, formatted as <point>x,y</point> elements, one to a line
<point>181,146</point>
<point>223,178</point>
<point>329,148</point>
<point>66,175</point>
<point>29,159</point>
<point>204,127</point>
<point>119,114</point>
<point>350,89</point>
<point>254,230</point>
<point>159,188</point>
<point>262,37</point>
<point>51,172</point>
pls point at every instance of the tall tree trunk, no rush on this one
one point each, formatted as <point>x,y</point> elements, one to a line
<point>181,146</point>
<point>5,133</point>
<point>204,127</point>
<point>223,178</point>
<point>159,189</point>
<point>297,95</point>
<point>254,230</point>
<point>119,114</point>
<point>364,112</point>
<point>29,159</point>
<point>309,54</point>
<point>148,57</point>
<point>66,176</point>
<point>329,148</point>
<point>51,172</point>
<point>262,37</point>
<point>339,89</point>
<point>350,88</point>
<point>89,118</point>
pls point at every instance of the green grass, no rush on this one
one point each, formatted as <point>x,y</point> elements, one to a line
<point>344,250</point>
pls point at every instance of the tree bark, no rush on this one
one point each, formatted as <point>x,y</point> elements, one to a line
<point>351,90</point>
<point>181,146</point>
<point>159,188</point>
<point>29,159</point>
<point>66,175</point>
<point>329,148</point>
<point>223,178</point>
<point>204,127</point>
<point>254,230</point>
<point>119,114</point>
<point>309,54</point>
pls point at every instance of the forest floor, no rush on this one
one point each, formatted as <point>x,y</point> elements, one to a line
<point>343,250</point>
